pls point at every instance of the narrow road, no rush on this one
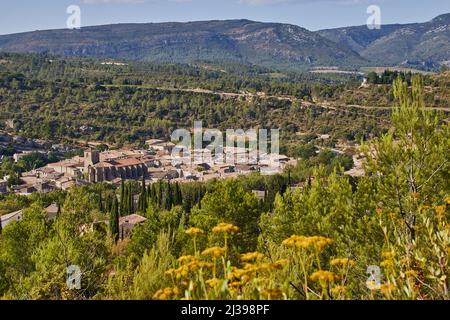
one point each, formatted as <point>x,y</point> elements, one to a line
<point>325,104</point>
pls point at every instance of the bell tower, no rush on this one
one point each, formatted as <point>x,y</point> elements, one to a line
<point>91,157</point>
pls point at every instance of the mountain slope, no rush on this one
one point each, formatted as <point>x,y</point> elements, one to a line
<point>269,44</point>
<point>418,44</point>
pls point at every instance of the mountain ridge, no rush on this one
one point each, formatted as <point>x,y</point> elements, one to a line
<point>415,44</point>
<point>267,44</point>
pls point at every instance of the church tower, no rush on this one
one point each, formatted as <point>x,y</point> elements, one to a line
<point>91,157</point>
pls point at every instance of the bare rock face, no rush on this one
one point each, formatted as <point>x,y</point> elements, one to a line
<point>269,44</point>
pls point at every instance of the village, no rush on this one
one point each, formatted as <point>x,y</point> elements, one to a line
<point>155,163</point>
<point>160,160</point>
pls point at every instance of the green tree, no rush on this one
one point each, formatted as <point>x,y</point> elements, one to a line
<point>114,220</point>
<point>230,203</point>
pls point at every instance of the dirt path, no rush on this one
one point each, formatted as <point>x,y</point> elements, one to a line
<point>246,95</point>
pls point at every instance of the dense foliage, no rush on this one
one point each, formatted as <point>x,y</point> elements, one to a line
<point>80,100</point>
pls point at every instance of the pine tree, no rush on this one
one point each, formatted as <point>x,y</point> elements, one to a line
<point>114,220</point>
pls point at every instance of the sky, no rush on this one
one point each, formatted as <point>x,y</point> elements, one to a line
<point>29,15</point>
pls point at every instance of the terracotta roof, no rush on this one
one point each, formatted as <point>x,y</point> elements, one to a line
<point>103,164</point>
<point>127,162</point>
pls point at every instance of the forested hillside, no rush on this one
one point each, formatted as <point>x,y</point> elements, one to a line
<point>66,100</point>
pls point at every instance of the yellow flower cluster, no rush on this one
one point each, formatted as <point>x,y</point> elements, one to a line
<point>251,256</point>
<point>388,254</point>
<point>215,252</point>
<point>186,259</point>
<point>318,243</point>
<point>194,231</point>
<point>440,210</point>
<point>386,289</point>
<point>388,263</point>
<point>239,277</point>
<point>271,294</point>
<point>213,283</point>
<point>167,294</point>
<point>338,290</point>
<point>343,262</point>
<point>225,228</point>
<point>188,264</point>
<point>325,276</point>
<point>411,274</point>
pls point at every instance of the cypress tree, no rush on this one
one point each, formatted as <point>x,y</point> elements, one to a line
<point>122,197</point>
<point>168,198</point>
<point>114,220</point>
<point>160,194</point>
<point>177,198</point>
<point>143,197</point>
<point>107,205</point>
<point>153,192</point>
<point>130,199</point>
<point>100,202</point>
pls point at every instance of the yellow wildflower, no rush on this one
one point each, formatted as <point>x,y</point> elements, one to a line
<point>225,228</point>
<point>440,210</point>
<point>214,251</point>
<point>181,272</point>
<point>251,257</point>
<point>213,283</point>
<point>186,259</point>
<point>271,294</point>
<point>338,290</point>
<point>170,272</point>
<point>167,293</point>
<point>236,284</point>
<point>204,264</point>
<point>388,263</point>
<point>386,289</point>
<point>322,275</point>
<point>278,265</point>
<point>316,242</point>
<point>388,254</point>
<point>411,273</point>
<point>194,231</point>
<point>343,262</point>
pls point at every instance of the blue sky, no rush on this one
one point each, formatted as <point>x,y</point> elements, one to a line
<point>29,15</point>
